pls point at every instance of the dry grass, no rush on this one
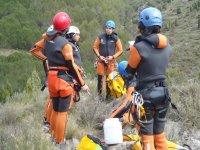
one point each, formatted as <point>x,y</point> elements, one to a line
<point>21,116</point>
<point>186,97</point>
<point>6,52</point>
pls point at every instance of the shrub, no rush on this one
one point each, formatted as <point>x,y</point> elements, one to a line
<point>15,69</point>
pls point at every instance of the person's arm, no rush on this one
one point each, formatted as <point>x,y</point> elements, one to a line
<point>122,108</point>
<point>119,49</point>
<point>67,52</point>
<point>133,61</point>
<point>96,47</point>
<point>37,50</point>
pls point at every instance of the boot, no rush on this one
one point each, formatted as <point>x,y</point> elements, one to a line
<point>160,142</point>
<point>60,127</point>
<point>148,142</point>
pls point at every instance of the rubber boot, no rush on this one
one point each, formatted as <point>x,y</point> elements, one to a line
<point>60,127</point>
<point>148,142</point>
<point>160,142</point>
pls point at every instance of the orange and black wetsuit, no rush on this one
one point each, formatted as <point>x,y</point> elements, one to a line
<point>39,52</point>
<point>78,62</point>
<point>106,45</point>
<point>62,70</point>
<point>149,58</point>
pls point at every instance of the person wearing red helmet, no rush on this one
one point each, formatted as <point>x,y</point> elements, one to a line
<point>62,72</point>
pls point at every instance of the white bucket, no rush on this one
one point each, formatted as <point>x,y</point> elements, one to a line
<point>112,131</point>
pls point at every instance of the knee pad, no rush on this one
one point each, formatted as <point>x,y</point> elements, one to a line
<point>61,104</point>
<point>159,120</point>
<point>146,127</point>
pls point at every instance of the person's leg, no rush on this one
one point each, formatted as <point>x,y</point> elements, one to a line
<point>100,85</point>
<point>148,142</point>
<point>61,103</point>
<point>49,108</point>
<point>63,107</point>
<point>52,79</point>
<point>109,68</point>
<point>53,119</point>
<point>160,141</point>
<point>146,127</point>
<point>159,125</point>
<point>100,76</point>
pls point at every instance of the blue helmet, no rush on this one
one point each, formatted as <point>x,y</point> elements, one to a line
<point>150,16</point>
<point>121,68</point>
<point>111,24</point>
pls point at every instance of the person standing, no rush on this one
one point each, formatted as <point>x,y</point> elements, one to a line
<point>149,58</point>
<point>38,51</point>
<point>105,47</point>
<point>73,36</point>
<point>62,72</point>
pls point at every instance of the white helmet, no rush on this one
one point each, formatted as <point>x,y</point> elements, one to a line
<point>73,29</point>
<point>50,28</point>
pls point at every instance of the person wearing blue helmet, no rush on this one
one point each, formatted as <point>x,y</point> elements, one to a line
<point>105,47</point>
<point>121,68</point>
<point>129,79</point>
<point>122,110</point>
<point>111,24</point>
<point>149,58</point>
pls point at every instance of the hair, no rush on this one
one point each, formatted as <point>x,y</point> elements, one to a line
<point>148,30</point>
<point>69,35</point>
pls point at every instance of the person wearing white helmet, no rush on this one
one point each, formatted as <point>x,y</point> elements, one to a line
<point>73,36</point>
<point>50,28</point>
<point>73,30</point>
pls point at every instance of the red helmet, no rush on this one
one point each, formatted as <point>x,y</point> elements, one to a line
<point>61,21</point>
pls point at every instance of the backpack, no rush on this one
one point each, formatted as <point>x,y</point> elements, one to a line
<point>116,84</point>
<point>89,142</point>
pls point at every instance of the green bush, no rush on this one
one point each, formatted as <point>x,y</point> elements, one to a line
<point>15,69</point>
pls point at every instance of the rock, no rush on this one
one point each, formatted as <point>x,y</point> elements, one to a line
<point>123,146</point>
<point>72,144</point>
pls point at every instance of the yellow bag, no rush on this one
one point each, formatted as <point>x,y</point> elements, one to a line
<point>174,146</point>
<point>138,146</point>
<point>115,84</point>
<point>89,142</point>
<point>136,138</point>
